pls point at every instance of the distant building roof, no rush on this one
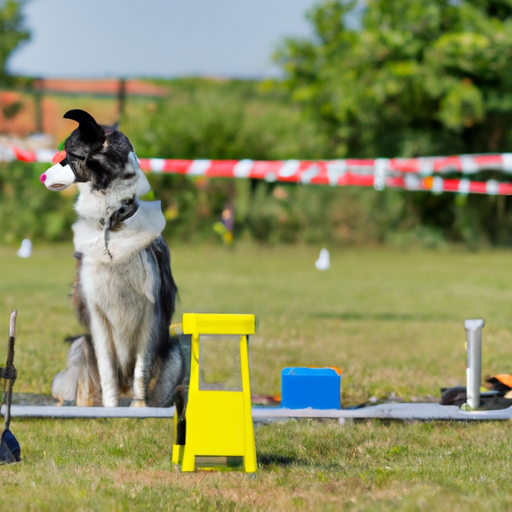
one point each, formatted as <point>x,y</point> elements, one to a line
<point>106,87</point>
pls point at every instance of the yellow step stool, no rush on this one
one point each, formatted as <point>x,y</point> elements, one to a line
<point>217,423</point>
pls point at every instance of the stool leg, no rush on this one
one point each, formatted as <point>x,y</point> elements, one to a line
<point>177,453</point>
<point>188,462</point>
<point>249,443</point>
<point>250,463</point>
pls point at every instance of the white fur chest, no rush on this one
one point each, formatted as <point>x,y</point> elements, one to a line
<point>120,298</point>
<point>135,234</point>
<point>118,285</point>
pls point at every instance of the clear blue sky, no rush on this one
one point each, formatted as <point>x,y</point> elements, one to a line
<point>161,38</point>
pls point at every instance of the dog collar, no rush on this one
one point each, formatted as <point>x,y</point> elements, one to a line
<point>134,234</point>
<point>128,209</point>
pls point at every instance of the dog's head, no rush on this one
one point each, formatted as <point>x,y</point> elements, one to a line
<point>103,157</point>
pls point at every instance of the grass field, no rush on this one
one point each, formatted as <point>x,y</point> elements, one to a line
<point>393,321</point>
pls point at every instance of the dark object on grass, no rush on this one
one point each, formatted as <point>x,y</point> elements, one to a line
<point>454,396</point>
<point>502,383</point>
<point>489,401</point>
<point>10,451</point>
<point>266,400</point>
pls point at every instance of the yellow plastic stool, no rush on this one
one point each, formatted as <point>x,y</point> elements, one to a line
<point>218,423</point>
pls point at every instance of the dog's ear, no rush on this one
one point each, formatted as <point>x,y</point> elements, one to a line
<point>90,130</point>
<point>111,129</point>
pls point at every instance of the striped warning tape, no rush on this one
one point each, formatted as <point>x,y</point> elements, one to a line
<point>403,173</point>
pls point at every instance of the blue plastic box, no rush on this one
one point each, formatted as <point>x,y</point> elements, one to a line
<point>318,388</point>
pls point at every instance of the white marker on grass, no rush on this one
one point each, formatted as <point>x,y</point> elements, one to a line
<point>324,261</point>
<point>25,249</point>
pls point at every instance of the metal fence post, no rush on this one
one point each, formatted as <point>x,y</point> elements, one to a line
<point>474,360</point>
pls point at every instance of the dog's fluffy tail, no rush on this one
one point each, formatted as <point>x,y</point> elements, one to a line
<point>79,383</point>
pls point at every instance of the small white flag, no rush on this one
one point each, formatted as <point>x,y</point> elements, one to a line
<point>26,248</point>
<point>324,261</point>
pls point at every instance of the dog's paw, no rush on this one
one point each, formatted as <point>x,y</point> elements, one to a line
<point>138,403</point>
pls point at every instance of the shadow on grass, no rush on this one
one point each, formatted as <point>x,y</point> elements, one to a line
<point>393,317</point>
<point>271,459</point>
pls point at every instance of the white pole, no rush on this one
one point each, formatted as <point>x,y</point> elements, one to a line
<point>474,360</point>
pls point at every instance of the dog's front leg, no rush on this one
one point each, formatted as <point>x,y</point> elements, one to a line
<point>105,354</point>
<point>140,381</point>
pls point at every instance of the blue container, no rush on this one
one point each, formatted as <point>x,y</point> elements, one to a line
<point>318,388</point>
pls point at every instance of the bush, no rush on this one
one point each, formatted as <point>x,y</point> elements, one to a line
<point>29,210</point>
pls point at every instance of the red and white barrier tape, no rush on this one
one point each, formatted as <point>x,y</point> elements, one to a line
<point>293,170</point>
<point>403,173</point>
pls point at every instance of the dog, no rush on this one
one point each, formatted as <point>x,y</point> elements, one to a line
<point>124,292</point>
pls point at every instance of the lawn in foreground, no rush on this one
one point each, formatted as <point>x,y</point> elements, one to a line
<point>392,321</point>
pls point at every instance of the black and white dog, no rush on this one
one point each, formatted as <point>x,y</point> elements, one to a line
<point>124,291</point>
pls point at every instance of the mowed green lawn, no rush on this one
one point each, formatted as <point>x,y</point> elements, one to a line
<point>393,321</point>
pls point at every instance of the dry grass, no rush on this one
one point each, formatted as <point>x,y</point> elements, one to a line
<point>394,323</point>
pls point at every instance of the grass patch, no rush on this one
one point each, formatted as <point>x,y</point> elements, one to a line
<point>393,321</point>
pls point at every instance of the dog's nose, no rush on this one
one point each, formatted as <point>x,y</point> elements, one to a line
<point>42,178</point>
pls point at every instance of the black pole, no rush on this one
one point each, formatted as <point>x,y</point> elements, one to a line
<point>38,88</point>
<point>121,97</point>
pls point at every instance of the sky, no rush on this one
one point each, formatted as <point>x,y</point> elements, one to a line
<point>157,38</point>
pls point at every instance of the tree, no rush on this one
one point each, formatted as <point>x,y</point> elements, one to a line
<point>412,78</point>
<point>406,78</point>
<point>12,33</point>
